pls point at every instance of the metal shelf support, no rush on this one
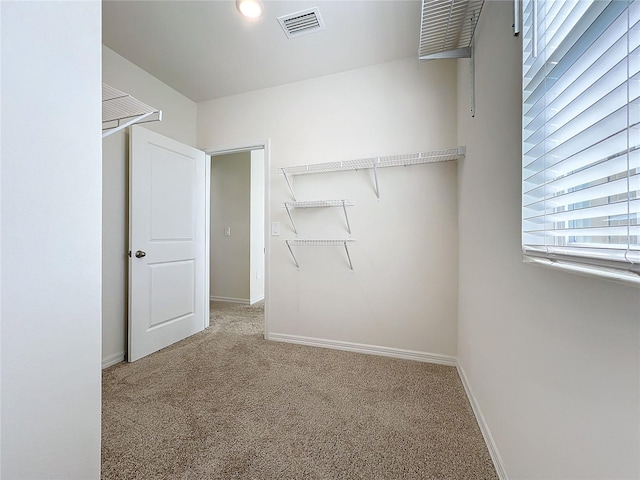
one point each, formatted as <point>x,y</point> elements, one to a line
<point>293,224</point>
<point>292,255</point>
<point>346,217</point>
<point>375,179</point>
<point>293,194</point>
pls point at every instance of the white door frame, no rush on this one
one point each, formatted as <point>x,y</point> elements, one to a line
<point>244,147</point>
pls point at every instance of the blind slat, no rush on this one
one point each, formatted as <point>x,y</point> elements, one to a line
<point>592,193</point>
<point>584,158</point>
<point>610,231</point>
<point>558,181</point>
<point>601,213</point>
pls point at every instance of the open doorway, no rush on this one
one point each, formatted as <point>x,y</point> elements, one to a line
<point>237,270</point>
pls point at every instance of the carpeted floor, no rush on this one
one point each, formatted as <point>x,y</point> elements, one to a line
<point>226,404</point>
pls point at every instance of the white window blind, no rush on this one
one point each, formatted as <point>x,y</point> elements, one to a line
<point>581,133</point>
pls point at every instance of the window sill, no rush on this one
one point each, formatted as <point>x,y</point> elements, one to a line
<point>619,276</point>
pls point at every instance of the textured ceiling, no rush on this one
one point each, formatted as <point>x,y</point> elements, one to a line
<point>205,49</point>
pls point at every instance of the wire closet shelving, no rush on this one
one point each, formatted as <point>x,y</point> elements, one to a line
<point>365,163</point>
<point>372,163</point>
<point>319,204</point>
<point>320,243</point>
<point>120,110</point>
<point>447,28</point>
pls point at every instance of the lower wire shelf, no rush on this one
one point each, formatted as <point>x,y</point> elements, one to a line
<point>320,243</point>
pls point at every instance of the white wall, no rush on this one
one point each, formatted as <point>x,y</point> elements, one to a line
<point>179,117</point>
<point>553,358</point>
<point>51,244</point>
<point>256,270</point>
<point>402,293</point>
<point>230,208</point>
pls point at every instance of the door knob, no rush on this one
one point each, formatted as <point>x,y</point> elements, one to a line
<point>140,254</point>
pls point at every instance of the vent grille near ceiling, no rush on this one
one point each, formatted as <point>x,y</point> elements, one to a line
<point>447,28</point>
<point>301,23</point>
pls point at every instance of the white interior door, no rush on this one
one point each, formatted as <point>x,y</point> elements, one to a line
<point>167,240</point>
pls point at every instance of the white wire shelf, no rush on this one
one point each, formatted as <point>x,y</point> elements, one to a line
<point>119,110</point>
<point>373,163</point>
<point>447,28</point>
<point>319,204</point>
<point>377,162</point>
<point>319,243</point>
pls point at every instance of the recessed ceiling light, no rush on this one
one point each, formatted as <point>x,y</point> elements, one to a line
<point>249,8</point>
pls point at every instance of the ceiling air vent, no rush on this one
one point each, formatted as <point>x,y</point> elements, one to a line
<point>301,23</point>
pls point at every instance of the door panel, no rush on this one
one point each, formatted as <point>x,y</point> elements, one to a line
<point>172,292</point>
<point>172,214</point>
<point>167,297</point>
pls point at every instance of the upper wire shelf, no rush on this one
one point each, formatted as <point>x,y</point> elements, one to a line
<point>373,163</point>
<point>119,110</point>
<point>377,162</point>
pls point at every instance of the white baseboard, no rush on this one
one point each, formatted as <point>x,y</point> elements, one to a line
<point>243,301</point>
<point>112,360</point>
<point>366,349</point>
<point>256,299</point>
<point>484,428</point>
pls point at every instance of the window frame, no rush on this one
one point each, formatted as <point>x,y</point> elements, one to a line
<point>601,261</point>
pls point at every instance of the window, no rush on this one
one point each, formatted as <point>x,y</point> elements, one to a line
<point>581,135</point>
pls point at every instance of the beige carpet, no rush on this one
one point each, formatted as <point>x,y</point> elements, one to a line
<point>226,404</point>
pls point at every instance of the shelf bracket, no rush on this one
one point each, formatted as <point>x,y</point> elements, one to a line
<point>286,177</point>
<point>346,249</point>
<point>286,205</point>
<point>375,177</point>
<point>346,217</point>
<point>292,255</point>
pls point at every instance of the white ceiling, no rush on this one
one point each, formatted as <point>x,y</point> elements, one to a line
<point>206,49</point>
